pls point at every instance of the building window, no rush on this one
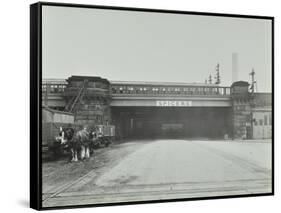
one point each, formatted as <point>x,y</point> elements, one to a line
<point>260,122</point>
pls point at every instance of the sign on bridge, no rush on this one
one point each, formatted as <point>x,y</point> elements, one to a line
<point>173,103</point>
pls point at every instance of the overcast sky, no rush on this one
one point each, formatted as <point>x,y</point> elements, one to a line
<point>141,46</point>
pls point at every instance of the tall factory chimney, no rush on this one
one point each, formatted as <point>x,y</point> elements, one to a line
<point>234,67</point>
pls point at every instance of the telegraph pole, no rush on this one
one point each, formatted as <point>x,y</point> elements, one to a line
<point>253,83</point>
<point>210,79</point>
<point>218,78</point>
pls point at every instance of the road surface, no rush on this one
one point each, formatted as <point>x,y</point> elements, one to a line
<point>170,169</point>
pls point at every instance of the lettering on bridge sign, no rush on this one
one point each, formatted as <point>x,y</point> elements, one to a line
<point>173,103</point>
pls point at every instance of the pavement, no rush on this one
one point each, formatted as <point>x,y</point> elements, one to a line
<point>166,169</point>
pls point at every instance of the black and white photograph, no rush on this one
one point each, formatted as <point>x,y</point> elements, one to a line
<point>142,105</point>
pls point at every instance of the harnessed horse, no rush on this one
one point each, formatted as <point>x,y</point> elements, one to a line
<point>82,138</point>
<point>66,138</point>
<point>77,143</point>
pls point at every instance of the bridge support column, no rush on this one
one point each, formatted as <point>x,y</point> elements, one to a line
<point>241,111</point>
<point>93,106</point>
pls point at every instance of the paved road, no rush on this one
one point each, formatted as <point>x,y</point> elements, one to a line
<point>167,169</point>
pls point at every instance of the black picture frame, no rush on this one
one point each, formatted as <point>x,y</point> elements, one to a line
<point>36,101</point>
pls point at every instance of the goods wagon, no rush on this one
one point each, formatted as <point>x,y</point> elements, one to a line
<point>51,121</point>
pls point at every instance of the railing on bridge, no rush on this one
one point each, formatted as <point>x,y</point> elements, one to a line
<point>53,86</point>
<point>120,89</point>
<point>152,90</point>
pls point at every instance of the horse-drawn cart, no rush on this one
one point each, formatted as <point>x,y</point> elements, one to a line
<point>51,121</point>
<point>55,122</point>
<point>104,135</point>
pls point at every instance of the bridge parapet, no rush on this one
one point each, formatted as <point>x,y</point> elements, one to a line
<point>124,89</point>
<point>120,90</point>
<point>53,86</point>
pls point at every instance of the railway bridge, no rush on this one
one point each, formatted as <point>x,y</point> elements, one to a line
<point>155,109</point>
